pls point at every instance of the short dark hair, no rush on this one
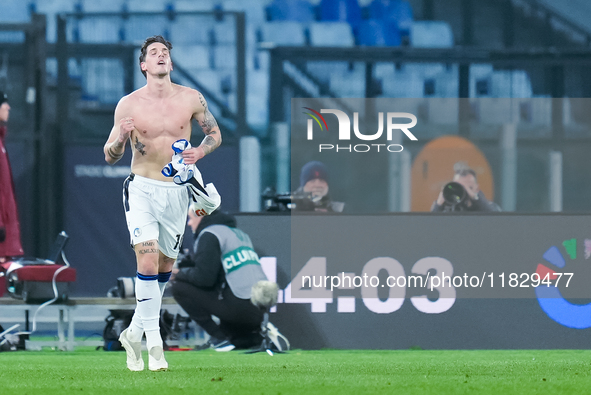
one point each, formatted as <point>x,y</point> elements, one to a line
<point>149,41</point>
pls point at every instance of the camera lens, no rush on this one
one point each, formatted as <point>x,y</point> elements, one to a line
<point>454,193</point>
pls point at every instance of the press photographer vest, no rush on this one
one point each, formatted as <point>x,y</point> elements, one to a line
<point>239,260</point>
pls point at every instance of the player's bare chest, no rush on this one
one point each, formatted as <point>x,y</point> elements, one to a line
<point>173,117</point>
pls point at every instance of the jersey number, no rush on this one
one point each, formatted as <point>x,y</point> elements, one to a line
<point>178,242</point>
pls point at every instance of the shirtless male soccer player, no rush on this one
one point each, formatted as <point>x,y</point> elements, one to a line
<point>152,118</point>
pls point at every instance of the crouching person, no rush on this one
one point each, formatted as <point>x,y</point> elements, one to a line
<point>216,278</point>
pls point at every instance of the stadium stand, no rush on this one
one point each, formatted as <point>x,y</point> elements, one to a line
<point>143,5</point>
<point>331,34</point>
<point>431,34</point>
<point>185,31</point>
<point>290,10</point>
<point>283,33</point>
<point>102,81</point>
<point>375,32</point>
<point>577,11</point>
<point>348,83</point>
<point>205,45</point>
<point>190,5</point>
<point>347,11</point>
<point>101,6</point>
<point>192,56</point>
<point>224,33</point>
<point>15,11</point>
<point>137,28</point>
<point>224,57</point>
<point>51,9</point>
<point>101,30</point>
<point>398,12</point>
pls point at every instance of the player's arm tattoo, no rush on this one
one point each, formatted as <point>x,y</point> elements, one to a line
<point>139,146</point>
<point>116,150</point>
<point>208,124</point>
<point>209,143</point>
<point>113,154</point>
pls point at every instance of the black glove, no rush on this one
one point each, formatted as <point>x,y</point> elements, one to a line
<point>2,234</point>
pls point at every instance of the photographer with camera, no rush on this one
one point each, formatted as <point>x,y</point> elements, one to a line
<point>463,193</point>
<point>313,193</point>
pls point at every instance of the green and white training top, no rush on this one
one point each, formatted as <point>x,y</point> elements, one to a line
<point>239,260</point>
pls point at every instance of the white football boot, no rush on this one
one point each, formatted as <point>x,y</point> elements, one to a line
<point>156,360</point>
<point>135,363</point>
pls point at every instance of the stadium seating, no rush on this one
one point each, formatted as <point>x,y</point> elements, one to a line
<point>403,83</point>
<point>205,46</point>
<point>103,80</point>
<point>186,29</point>
<point>51,9</point>
<point>431,34</point>
<point>397,11</point>
<point>192,5</point>
<point>283,33</point>
<point>348,83</point>
<point>210,79</point>
<point>101,5</point>
<point>331,34</point>
<point>254,9</point>
<point>323,70</point>
<point>341,11</point>
<point>137,28</point>
<point>224,57</point>
<point>578,11</point>
<point>225,32</point>
<point>147,6</point>
<point>100,30</point>
<point>290,10</point>
<point>480,80</point>
<point>15,11</point>
<point>487,82</point>
<point>376,32</point>
<point>193,56</point>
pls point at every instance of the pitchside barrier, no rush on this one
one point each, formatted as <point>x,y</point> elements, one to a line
<point>67,314</point>
<point>371,281</point>
<point>383,281</point>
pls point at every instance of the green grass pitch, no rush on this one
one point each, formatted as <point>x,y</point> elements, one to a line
<point>301,372</point>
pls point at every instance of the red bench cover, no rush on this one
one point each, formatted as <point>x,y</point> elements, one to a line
<point>44,273</point>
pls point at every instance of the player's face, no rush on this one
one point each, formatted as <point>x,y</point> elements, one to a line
<point>317,187</point>
<point>4,112</point>
<point>157,60</point>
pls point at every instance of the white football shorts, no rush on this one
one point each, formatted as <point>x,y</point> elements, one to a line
<point>156,210</point>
